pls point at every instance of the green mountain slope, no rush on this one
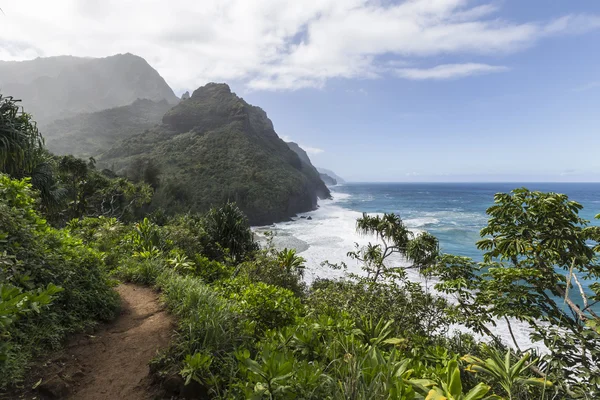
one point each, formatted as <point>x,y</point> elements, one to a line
<point>331,174</point>
<point>61,87</point>
<point>328,180</point>
<point>215,147</point>
<point>307,165</point>
<point>91,134</point>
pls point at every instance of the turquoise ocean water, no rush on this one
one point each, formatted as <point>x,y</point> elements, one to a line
<point>454,212</point>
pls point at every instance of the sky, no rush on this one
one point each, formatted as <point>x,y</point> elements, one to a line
<point>380,90</point>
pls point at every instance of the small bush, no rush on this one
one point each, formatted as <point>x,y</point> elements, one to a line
<point>277,268</point>
<point>211,271</point>
<point>266,305</point>
<point>36,255</point>
<point>142,271</point>
<point>207,321</point>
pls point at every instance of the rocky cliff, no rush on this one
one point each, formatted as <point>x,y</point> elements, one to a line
<point>215,147</point>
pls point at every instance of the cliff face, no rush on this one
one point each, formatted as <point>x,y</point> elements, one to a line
<point>310,170</point>
<point>214,147</point>
<point>61,87</point>
<point>328,180</point>
<point>331,174</point>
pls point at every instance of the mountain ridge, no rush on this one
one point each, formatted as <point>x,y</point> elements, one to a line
<point>215,147</point>
<point>91,134</point>
<point>63,86</point>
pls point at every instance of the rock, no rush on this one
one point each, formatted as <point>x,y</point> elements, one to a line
<point>185,96</point>
<point>303,216</point>
<point>194,391</point>
<point>173,384</point>
<point>309,218</point>
<point>216,137</point>
<point>78,375</point>
<point>55,388</point>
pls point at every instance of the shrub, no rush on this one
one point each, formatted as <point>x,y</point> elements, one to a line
<point>266,305</point>
<point>279,268</point>
<point>36,255</point>
<point>142,271</point>
<point>228,227</point>
<point>210,270</point>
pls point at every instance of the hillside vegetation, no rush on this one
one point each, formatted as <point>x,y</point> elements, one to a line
<point>213,148</point>
<point>248,326</point>
<point>91,134</point>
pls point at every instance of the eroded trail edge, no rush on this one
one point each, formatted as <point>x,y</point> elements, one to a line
<point>112,363</point>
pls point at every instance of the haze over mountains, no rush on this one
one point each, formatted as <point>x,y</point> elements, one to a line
<point>209,148</point>
<point>214,147</point>
<point>60,87</point>
<point>91,134</point>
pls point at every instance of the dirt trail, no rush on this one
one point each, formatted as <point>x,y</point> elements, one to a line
<point>112,363</point>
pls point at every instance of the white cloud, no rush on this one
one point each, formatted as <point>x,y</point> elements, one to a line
<point>312,150</point>
<point>269,44</point>
<point>587,86</point>
<point>308,149</point>
<point>448,71</point>
<point>357,91</point>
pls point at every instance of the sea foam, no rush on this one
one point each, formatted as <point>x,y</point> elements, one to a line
<point>330,234</point>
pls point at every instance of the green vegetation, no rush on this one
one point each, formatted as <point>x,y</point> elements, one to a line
<point>213,148</point>
<point>91,134</point>
<point>51,284</point>
<point>248,325</point>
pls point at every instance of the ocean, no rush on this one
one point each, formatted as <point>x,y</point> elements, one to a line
<point>453,212</point>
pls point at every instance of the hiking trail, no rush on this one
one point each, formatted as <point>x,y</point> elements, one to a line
<point>112,363</point>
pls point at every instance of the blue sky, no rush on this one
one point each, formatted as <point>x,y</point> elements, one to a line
<point>537,121</point>
<point>376,90</point>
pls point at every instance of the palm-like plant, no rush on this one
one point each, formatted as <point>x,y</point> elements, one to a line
<point>228,226</point>
<point>393,235</point>
<point>450,387</point>
<point>290,261</point>
<point>22,152</point>
<point>19,139</point>
<point>509,376</point>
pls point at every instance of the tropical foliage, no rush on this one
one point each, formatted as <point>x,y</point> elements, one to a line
<point>248,325</point>
<point>51,284</point>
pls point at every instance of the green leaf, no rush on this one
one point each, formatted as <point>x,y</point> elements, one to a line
<point>477,392</point>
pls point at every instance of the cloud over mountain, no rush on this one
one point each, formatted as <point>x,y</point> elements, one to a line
<point>269,45</point>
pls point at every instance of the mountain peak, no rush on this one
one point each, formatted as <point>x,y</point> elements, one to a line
<point>60,87</point>
<point>209,106</point>
<point>212,89</point>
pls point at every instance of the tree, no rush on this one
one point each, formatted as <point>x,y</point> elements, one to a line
<point>395,238</point>
<point>22,152</point>
<point>537,252</point>
<point>291,262</point>
<point>228,227</point>
<point>20,140</point>
<point>144,170</point>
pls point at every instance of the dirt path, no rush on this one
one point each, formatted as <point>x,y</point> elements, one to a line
<point>112,363</point>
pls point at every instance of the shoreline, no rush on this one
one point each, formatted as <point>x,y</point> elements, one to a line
<point>331,233</point>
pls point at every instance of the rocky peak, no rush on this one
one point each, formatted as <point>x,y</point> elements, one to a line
<point>211,106</point>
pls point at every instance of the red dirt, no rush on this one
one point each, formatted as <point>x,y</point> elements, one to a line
<point>112,363</point>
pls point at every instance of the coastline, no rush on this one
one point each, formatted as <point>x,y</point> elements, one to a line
<point>331,233</point>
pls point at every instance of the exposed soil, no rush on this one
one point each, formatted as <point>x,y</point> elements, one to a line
<point>111,363</point>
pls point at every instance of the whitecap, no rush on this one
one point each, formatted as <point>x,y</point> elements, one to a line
<point>331,233</point>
